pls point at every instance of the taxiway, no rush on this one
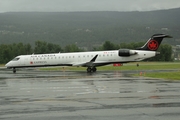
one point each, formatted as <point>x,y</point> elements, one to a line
<point>104,95</point>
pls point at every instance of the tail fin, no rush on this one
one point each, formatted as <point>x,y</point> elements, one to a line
<point>154,42</point>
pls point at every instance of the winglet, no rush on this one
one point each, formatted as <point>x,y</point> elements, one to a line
<point>94,58</point>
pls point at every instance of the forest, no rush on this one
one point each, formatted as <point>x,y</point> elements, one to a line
<point>9,51</point>
<point>88,29</point>
<point>52,32</point>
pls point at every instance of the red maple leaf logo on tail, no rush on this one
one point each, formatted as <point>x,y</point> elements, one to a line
<point>153,45</point>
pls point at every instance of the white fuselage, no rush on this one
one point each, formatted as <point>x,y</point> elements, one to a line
<point>77,59</point>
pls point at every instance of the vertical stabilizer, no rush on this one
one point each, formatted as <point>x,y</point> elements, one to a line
<point>154,42</point>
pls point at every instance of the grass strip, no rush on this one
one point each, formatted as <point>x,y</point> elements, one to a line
<point>129,66</point>
<point>132,66</point>
<point>2,65</point>
<point>164,75</point>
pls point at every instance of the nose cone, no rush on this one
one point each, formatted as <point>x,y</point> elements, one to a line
<point>8,65</point>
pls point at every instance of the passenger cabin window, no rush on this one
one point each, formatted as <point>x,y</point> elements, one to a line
<point>15,59</point>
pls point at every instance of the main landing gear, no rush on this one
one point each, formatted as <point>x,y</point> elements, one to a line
<point>91,69</point>
<point>14,70</point>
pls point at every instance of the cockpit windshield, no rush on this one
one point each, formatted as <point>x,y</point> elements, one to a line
<point>16,59</point>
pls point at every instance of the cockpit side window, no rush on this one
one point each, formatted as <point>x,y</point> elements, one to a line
<point>16,59</point>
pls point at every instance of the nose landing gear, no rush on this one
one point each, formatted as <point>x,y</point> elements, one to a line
<point>14,70</point>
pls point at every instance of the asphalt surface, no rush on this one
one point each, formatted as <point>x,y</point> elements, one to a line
<point>42,95</point>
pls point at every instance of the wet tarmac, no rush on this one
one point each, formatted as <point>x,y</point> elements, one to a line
<point>104,95</point>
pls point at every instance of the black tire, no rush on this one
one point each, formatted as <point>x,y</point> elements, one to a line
<point>89,70</point>
<point>94,69</point>
<point>14,70</point>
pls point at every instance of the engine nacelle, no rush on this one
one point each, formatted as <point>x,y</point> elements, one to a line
<point>126,52</point>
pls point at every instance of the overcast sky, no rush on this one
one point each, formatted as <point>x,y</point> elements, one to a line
<point>86,5</point>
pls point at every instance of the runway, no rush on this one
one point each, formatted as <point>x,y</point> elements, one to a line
<point>104,95</point>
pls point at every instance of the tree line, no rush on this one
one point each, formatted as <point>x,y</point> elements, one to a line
<point>78,27</point>
<point>9,51</point>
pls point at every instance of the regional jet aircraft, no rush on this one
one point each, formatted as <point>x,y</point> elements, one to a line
<point>91,60</point>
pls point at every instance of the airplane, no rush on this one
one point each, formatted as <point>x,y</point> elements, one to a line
<point>91,59</point>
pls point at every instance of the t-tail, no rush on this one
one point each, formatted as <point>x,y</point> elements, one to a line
<point>154,42</point>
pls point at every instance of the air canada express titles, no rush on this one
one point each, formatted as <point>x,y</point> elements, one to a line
<point>48,55</point>
<point>38,62</point>
<point>41,56</point>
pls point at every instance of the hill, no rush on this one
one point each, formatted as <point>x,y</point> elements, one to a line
<point>88,29</point>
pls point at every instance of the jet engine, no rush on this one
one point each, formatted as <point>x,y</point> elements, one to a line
<point>126,52</point>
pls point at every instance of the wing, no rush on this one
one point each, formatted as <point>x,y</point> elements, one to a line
<point>86,64</point>
<point>92,63</point>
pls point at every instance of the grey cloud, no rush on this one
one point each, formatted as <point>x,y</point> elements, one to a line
<point>86,5</point>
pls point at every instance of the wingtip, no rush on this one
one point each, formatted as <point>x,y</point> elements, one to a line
<point>168,36</point>
<point>162,36</point>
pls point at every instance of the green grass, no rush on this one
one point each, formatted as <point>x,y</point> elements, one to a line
<point>1,65</point>
<point>165,75</point>
<point>129,66</point>
<point>132,66</point>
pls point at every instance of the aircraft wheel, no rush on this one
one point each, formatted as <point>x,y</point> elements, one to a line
<point>89,69</point>
<point>14,70</point>
<point>94,69</point>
